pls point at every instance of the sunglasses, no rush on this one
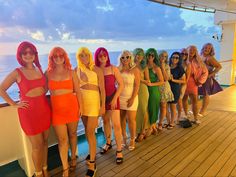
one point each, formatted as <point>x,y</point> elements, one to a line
<point>58,56</point>
<point>184,54</point>
<point>102,55</point>
<point>125,58</point>
<point>28,52</point>
<point>175,57</point>
<point>151,55</point>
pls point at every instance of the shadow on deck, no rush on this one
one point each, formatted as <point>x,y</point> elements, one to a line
<point>205,150</point>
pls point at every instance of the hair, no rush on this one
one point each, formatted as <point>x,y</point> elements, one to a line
<point>197,56</point>
<point>152,50</point>
<point>212,53</point>
<point>58,51</point>
<point>139,51</point>
<point>88,52</point>
<point>21,48</point>
<point>183,50</point>
<point>180,59</point>
<point>161,53</point>
<point>98,51</point>
<point>131,65</point>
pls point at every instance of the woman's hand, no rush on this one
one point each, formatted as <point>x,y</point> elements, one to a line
<point>22,104</point>
<point>102,110</point>
<point>130,102</point>
<point>113,103</point>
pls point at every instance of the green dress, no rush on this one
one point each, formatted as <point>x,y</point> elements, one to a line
<point>142,110</point>
<point>154,98</point>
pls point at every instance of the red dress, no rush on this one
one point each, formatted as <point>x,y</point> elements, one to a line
<point>37,117</point>
<point>110,88</point>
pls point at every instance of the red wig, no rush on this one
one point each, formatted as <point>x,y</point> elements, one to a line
<point>21,48</point>
<point>61,52</point>
<point>98,51</point>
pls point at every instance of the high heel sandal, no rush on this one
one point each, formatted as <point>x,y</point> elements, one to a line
<point>87,159</point>
<point>119,160</point>
<point>159,128</point>
<point>132,144</point>
<point>90,172</point>
<point>65,172</point>
<point>38,173</point>
<point>45,171</point>
<point>72,164</point>
<point>106,148</point>
<point>140,137</point>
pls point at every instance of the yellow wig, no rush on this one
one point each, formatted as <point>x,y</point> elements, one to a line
<point>88,52</point>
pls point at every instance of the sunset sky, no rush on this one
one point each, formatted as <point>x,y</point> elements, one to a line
<point>114,24</point>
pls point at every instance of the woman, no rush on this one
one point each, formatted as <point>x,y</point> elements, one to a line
<point>196,78</point>
<point>187,70</point>
<point>93,100</point>
<point>142,122</point>
<point>211,86</point>
<point>33,108</point>
<point>63,85</point>
<point>129,96</point>
<point>177,78</point>
<point>157,80</point>
<point>165,90</point>
<point>112,78</point>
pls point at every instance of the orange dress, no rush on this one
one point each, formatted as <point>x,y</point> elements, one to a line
<point>65,107</point>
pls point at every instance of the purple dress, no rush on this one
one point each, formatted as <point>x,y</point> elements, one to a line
<point>211,86</point>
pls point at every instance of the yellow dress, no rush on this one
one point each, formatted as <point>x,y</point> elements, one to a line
<point>90,98</point>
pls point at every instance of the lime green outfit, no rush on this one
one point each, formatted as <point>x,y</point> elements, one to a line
<point>154,98</point>
<point>142,111</point>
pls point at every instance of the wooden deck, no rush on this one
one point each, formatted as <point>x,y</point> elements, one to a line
<point>205,150</point>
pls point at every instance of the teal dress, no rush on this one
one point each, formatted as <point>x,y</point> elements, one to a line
<point>154,98</point>
<point>142,110</point>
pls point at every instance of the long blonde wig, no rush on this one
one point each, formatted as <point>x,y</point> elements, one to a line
<point>89,53</point>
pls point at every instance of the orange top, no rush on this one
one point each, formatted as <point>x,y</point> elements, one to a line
<point>56,85</point>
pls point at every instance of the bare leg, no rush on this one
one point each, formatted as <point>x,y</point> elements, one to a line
<point>115,115</point>
<point>72,130</point>
<point>92,123</point>
<point>185,104</point>
<point>107,126</point>
<point>62,136</point>
<point>194,105</point>
<point>37,142</point>
<point>180,108</point>
<point>45,156</point>
<point>173,113</point>
<point>205,103</point>
<point>123,125</point>
<point>132,128</point>
<point>162,113</point>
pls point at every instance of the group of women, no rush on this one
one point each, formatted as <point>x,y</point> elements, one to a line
<point>143,85</point>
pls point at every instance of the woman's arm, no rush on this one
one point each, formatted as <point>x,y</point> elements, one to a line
<point>165,72</point>
<point>6,83</point>
<point>217,66</point>
<point>120,83</point>
<point>188,72</point>
<point>101,88</point>
<point>182,80</point>
<point>160,77</point>
<point>76,88</point>
<point>136,86</point>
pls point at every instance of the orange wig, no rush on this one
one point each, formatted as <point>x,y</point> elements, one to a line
<point>58,51</point>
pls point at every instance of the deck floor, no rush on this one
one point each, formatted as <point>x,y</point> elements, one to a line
<point>205,150</point>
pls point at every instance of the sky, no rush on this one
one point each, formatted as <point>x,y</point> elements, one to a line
<point>114,24</point>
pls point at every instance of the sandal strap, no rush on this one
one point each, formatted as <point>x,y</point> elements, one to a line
<point>119,151</point>
<point>37,173</point>
<point>92,161</point>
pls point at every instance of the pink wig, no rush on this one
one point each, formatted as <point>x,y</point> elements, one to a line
<point>98,51</point>
<point>61,52</point>
<point>21,48</point>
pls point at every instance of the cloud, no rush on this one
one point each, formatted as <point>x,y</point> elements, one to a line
<point>38,35</point>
